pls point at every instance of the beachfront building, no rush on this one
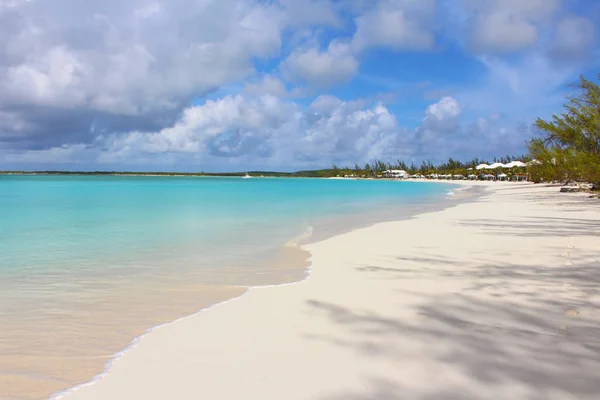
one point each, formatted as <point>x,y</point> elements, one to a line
<point>511,167</point>
<point>519,177</point>
<point>396,174</point>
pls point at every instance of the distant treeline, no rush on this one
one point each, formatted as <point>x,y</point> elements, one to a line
<point>369,170</point>
<point>451,166</point>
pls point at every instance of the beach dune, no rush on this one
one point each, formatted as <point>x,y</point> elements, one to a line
<point>494,298</point>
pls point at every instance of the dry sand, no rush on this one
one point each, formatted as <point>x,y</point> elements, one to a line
<point>493,299</point>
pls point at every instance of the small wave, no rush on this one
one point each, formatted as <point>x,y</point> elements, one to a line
<point>297,241</point>
<point>450,193</point>
<point>117,356</point>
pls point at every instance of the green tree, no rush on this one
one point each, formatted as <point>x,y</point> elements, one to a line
<point>335,170</point>
<point>568,146</point>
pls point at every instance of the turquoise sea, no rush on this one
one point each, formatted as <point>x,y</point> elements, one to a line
<point>79,223</point>
<point>77,251</point>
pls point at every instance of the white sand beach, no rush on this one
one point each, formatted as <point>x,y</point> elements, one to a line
<point>493,299</point>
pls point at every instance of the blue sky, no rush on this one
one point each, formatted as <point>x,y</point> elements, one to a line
<point>222,85</point>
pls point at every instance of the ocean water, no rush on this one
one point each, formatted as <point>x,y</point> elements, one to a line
<point>89,262</point>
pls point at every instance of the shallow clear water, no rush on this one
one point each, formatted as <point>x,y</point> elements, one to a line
<point>82,222</point>
<point>89,262</point>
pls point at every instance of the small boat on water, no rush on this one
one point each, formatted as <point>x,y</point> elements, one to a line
<point>246,176</point>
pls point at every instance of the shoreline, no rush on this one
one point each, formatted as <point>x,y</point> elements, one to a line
<point>300,243</point>
<point>303,263</point>
<point>126,367</point>
<point>442,204</point>
<point>62,355</point>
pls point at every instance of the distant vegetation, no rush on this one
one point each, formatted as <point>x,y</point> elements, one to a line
<point>450,167</point>
<point>374,169</point>
<point>568,147</point>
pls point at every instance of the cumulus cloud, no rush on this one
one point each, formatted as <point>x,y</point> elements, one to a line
<point>442,116</point>
<point>444,130</point>
<point>439,122</point>
<point>266,131</point>
<point>311,12</point>
<point>344,132</point>
<point>268,84</point>
<point>396,24</point>
<point>262,129</point>
<point>135,61</point>
<point>130,57</point>
<point>333,66</point>
<point>573,40</point>
<point>127,82</point>
<point>501,26</point>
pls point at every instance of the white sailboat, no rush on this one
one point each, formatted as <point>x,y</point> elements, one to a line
<point>246,176</point>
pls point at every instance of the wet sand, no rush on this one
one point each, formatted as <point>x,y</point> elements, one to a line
<point>51,343</point>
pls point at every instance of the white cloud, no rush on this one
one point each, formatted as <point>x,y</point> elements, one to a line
<point>325,105</point>
<point>267,84</point>
<point>333,66</point>
<point>147,11</point>
<point>341,132</point>
<point>55,79</point>
<point>444,134</point>
<point>439,123</point>
<point>509,25</point>
<point>267,132</point>
<point>573,39</point>
<point>131,57</point>
<point>311,12</point>
<point>502,31</point>
<point>113,81</point>
<point>396,24</point>
<point>445,109</point>
<point>235,129</point>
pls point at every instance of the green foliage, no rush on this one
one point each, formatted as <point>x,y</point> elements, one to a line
<point>569,146</point>
<point>373,169</point>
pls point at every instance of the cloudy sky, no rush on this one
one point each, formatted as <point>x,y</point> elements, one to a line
<point>281,84</point>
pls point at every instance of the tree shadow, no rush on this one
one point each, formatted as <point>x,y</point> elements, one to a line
<point>537,227</point>
<point>516,329</point>
<point>520,337</point>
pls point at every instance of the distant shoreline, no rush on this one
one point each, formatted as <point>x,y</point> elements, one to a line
<point>112,173</point>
